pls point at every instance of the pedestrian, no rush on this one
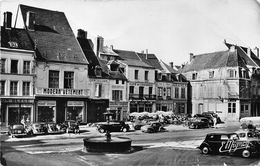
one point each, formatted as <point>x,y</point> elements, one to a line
<point>77,128</point>
<point>215,121</point>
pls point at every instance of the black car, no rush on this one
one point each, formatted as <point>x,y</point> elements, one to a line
<point>229,143</point>
<point>103,127</point>
<point>153,127</point>
<point>200,122</point>
<point>17,130</point>
<point>211,115</point>
<point>210,118</point>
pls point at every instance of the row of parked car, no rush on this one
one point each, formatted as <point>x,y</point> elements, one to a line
<point>19,130</point>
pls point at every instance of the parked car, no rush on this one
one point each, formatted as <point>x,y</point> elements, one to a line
<point>71,126</point>
<point>229,143</point>
<point>37,128</point>
<point>212,114</point>
<point>138,124</point>
<point>153,127</point>
<point>210,119</point>
<point>247,134</point>
<point>53,128</point>
<point>17,130</point>
<point>253,121</point>
<point>114,126</point>
<point>200,122</point>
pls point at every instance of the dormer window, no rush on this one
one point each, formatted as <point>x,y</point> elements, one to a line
<point>30,20</point>
<point>98,71</point>
<point>169,77</point>
<point>159,76</point>
<point>194,76</point>
<point>211,74</point>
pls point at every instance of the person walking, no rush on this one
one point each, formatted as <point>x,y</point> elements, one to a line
<point>215,121</point>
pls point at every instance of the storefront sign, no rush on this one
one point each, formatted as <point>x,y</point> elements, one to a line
<point>98,80</point>
<point>46,103</point>
<point>164,84</point>
<point>16,100</point>
<point>121,104</point>
<point>67,92</point>
<point>75,103</point>
<point>140,84</point>
<point>118,86</point>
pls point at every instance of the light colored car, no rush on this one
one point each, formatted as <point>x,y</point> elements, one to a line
<point>152,127</point>
<point>246,134</point>
<point>37,128</point>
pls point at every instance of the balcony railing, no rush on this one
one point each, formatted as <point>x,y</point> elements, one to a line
<point>66,92</point>
<point>142,97</point>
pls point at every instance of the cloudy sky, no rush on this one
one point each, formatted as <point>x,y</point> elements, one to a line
<point>171,29</point>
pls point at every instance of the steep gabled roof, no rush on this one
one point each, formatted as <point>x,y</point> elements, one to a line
<point>171,70</point>
<point>150,59</point>
<point>53,36</point>
<point>214,60</point>
<point>253,60</point>
<point>131,58</point>
<point>108,50</point>
<point>15,39</point>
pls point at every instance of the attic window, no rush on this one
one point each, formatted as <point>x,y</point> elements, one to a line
<point>159,76</point>
<point>211,74</point>
<point>98,71</point>
<point>194,76</point>
<point>13,44</point>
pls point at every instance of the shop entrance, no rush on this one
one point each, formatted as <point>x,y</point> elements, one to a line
<point>16,115</point>
<point>74,113</point>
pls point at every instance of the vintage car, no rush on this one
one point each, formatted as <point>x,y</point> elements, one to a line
<point>199,122</point>
<point>53,128</point>
<point>37,129</point>
<point>71,126</point>
<point>248,134</point>
<point>229,143</point>
<point>254,121</point>
<point>115,126</point>
<point>152,127</point>
<point>212,114</point>
<point>17,130</point>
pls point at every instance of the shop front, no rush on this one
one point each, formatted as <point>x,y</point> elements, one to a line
<point>119,110</point>
<point>96,109</point>
<point>16,111</point>
<point>141,106</point>
<point>164,105</point>
<point>58,110</point>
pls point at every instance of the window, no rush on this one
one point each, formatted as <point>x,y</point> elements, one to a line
<point>13,88</point>
<point>98,90</point>
<point>160,91</point>
<point>210,91</point>
<point>211,74</point>
<point>123,82</point>
<point>176,92</point>
<point>131,89</point>
<point>2,88</point>
<point>53,79</point>
<point>26,88</point>
<point>3,62</point>
<point>150,90</point>
<point>117,95</point>
<point>117,81</point>
<point>159,76</point>
<point>68,79</point>
<point>26,67</point>
<point>14,66</point>
<point>219,91</point>
<point>168,91</point>
<point>231,73</point>
<point>183,93</point>
<point>231,107</point>
<point>136,74</point>
<point>146,75</point>
<point>194,76</point>
<point>98,71</point>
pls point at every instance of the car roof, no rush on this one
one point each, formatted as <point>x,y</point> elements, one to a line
<point>221,133</point>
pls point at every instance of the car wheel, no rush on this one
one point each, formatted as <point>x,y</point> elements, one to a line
<point>101,130</point>
<point>205,150</point>
<point>246,153</point>
<point>124,129</point>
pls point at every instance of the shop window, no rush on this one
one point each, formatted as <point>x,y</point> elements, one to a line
<point>26,88</point>
<point>14,66</point>
<point>53,79</point>
<point>146,75</point>
<point>136,74</point>
<point>46,114</point>
<point>2,88</point>
<point>3,65</point>
<point>68,79</point>
<point>19,115</point>
<point>176,93</point>
<point>74,113</point>
<point>13,88</point>
<point>148,107</point>
<point>98,90</point>
<point>117,95</point>
<point>183,93</point>
<point>26,67</point>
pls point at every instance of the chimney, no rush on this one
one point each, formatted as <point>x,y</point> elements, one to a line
<point>7,20</point>
<point>249,52</point>
<point>257,51</point>
<point>146,55</point>
<point>100,44</point>
<point>30,20</point>
<point>191,56</point>
<point>112,48</point>
<point>81,33</point>
<point>171,64</point>
<point>232,48</point>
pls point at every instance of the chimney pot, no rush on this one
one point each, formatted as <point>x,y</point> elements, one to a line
<point>249,51</point>
<point>171,64</point>
<point>81,33</point>
<point>191,56</point>
<point>146,56</point>
<point>8,20</point>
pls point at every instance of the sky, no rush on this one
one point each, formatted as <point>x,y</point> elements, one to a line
<point>170,29</point>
